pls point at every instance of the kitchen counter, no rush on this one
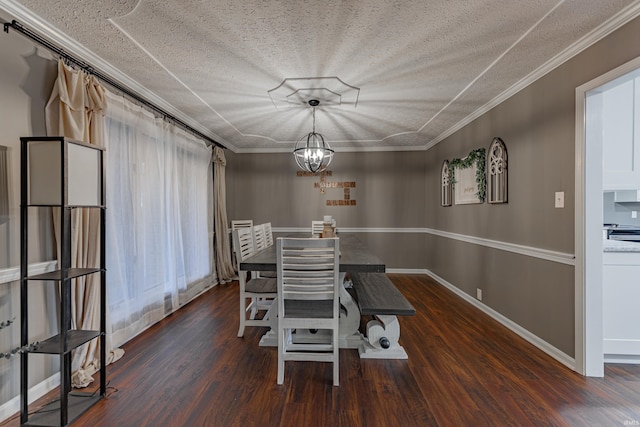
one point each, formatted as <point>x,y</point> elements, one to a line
<point>619,246</point>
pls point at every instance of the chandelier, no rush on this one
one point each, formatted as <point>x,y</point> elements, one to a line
<point>312,153</point>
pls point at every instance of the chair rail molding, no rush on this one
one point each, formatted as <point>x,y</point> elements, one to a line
<point>546,254</point>
<point>12,274</point>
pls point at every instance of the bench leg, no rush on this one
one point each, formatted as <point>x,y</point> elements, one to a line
<point>382,338</point>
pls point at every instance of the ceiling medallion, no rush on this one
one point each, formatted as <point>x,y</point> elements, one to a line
<point>330,91</point>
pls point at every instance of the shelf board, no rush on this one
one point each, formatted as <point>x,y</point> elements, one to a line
<point>36,205</point>
<point>49,415</point>
<point>71,273</point>
<point>75,338</point>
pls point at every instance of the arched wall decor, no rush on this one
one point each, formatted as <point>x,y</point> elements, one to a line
<point>497,172</point>
<point>445,185</point>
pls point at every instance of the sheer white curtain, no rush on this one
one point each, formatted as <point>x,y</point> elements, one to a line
<point>159,205</point>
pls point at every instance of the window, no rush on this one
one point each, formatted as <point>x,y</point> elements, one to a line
<point>159,191</point>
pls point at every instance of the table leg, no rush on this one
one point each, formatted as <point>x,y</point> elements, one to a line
<point>350,337</point>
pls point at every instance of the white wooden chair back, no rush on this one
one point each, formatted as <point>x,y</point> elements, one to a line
<point>259,237</point>
<point>243,245</point>
<point>241,223</point>
<point>235,225</point>
<point>316,228</point>
<point>308,269</point>
<point>268,233</point>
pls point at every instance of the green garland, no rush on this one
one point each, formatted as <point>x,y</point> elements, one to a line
<point>476,157</point>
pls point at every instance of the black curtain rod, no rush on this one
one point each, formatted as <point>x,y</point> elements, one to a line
<point>103,77</point>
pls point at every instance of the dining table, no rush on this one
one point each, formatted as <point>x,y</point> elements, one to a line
<point>354,257</point>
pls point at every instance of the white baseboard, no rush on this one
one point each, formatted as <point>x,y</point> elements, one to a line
<point>12,407</point>
<point>622,351</point>
<point>528,336</point>
<point>622,358</point>
<point>407,271</point>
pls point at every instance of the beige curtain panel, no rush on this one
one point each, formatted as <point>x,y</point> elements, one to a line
<point>224,267</point>
<point>75,110</point>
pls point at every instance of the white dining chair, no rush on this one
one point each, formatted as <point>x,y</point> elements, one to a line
<point>316,228</point>
<point>259,291</point>
<point>308,298</point>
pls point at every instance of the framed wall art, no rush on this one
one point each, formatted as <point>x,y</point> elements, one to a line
<point>467,175</point>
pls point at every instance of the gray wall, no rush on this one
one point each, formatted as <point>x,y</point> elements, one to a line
<point>538,126</point>
<point>389,193</point>
<point>402,190</point>
<point>26,79</point>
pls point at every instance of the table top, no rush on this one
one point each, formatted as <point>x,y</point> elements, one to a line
<point>354,257</point>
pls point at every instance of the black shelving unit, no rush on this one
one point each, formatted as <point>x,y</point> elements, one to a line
<point>58,172</point>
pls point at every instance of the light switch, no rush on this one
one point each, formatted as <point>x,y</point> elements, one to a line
<point>559,199</point>
<point>634,214</point>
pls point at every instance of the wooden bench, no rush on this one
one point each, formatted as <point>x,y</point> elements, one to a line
<point>377,296</point>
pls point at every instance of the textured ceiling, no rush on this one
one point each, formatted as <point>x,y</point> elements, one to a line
<point>410,71</point>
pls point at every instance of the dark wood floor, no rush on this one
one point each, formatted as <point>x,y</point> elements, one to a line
<point>464,369</point>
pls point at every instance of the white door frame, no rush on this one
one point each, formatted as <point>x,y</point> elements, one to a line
<point>589,339</point>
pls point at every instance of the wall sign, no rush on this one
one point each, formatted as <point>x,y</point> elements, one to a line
<point>323,184</point>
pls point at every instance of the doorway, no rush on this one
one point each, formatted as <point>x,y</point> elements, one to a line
<point>589,339</point>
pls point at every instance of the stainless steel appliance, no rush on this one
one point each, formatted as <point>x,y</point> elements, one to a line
<point>629,233</point>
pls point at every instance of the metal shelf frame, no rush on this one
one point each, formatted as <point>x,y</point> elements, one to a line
<point>70,404</point>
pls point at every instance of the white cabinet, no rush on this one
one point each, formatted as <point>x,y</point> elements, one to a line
<point>620,103</point>
<point>621,294</point>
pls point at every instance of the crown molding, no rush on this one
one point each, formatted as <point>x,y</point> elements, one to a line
<point>603,30</point>
<point>288,150</point>
<point>35,23</point>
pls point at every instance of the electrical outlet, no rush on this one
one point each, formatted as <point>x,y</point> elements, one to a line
<point>634,214</point>
<point>479,294</point>
<point>559,199</point>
